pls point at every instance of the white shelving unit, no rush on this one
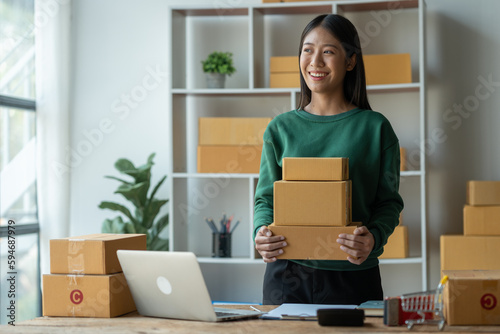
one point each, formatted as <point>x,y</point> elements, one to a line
<point>253,34</point>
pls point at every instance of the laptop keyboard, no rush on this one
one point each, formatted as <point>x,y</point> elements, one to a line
<point>225,314</point>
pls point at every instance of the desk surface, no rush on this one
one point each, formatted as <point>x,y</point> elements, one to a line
<point>134,323</point>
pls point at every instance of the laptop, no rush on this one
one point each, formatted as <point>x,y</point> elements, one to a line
<point>170,285</point>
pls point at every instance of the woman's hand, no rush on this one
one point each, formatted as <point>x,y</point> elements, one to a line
<point>357,245</point>
<point>267,245</point>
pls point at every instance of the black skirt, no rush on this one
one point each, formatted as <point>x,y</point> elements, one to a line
<point>288,282</point>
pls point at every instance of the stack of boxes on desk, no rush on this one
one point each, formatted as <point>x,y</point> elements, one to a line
<point>312,206</point>
<point>230,144</point>
<point>86,279</point>
<point>472,260</point>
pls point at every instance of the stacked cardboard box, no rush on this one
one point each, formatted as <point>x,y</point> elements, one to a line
<point>284,72</point>
<point>86,279</point>
<point>380,69</point>
<point>402,157</point>
<point>474,250</point>
<point>471,297</point>
<point>312,206</point>
<point>230,144</point>
<point>385,69</point>
<point>397,244</point>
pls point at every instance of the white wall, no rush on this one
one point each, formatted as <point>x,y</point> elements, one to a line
<point>117,43</point>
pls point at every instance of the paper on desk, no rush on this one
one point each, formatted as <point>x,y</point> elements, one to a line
<point>301,311</point>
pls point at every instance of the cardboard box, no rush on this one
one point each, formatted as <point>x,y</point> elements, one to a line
<point>315,169</point>
<point>397,244</point>
<point>471,297</point>
<point>312,242</point>
<point>284,64</point>
<point>482,220</point>
<point>464,252</point>
<point>402,155</point>
<point>483,192</point>
<point>386,69</point>
<point>91,254</point>
<point>312,203</point>
<point>99,296</point>
<point>229,159</point>
<point>232,130</point>
<point>284,80</point>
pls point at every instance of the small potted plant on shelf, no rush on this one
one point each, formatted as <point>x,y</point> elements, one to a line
<point>146,208</point>
<point>216,66</point>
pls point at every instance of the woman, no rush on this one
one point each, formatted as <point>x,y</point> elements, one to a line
<point>333,119</point>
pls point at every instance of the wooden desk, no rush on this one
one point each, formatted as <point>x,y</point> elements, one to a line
<point>134,323</point>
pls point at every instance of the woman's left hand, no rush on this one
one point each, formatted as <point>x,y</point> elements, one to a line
<point>357,245</point>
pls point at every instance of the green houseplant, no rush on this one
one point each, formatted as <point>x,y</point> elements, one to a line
<point>146,207</point>
<point>217,66</point>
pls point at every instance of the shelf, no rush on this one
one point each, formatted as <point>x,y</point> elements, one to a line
<point>394,88</point>
<point>409,87</point>
<point>377,5</point>
<point>411,173</point>
<point>254,33</point>
<point>409,260</point>
<point>254,176</point>
<point>212,176</point>
<point>231,260</point>
<point>235,91</point>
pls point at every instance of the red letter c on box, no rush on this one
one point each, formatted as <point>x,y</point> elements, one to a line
<point>488,301</point>
<point>76,297</point>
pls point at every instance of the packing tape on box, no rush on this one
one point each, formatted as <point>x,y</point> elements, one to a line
<point>76,260</point>
<point>75,295</point>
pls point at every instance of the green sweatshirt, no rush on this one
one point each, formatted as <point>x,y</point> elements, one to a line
<point>368,140</point>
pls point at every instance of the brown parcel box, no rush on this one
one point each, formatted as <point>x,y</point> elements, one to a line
<point>397,244</point>
<point>402,158</point>
<point>459,252</point>
<point>481,220</point>
<point>312,203</point>
<point>100,296</point>
<point>229,159</point>
<point>386,69</point>
<point>91,254</point>
<point>312,242</point>
<point>315,169</point>
<point>483,192</point>
<point>471,297</point>
<point>284,72</point>
<point>284,80</point>
<point>231,130</point>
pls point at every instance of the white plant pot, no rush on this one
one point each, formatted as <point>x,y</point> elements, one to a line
<point>215,80</point>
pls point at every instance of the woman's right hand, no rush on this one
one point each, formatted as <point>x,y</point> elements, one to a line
<point>267,245</point>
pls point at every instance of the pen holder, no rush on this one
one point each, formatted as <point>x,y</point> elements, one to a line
<point>221,244</point>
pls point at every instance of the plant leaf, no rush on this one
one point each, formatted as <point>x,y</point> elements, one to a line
<point>159,226</point>
<point>135,193</point>
<point>113,226</point>
<point>151,211</point>
<point>117,207</point>
<point>158,244</point>
<point>124,165</point>
<point>117,179</point>
<point>153,193</point>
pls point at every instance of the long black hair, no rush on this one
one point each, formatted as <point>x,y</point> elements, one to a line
<point>355,80</point>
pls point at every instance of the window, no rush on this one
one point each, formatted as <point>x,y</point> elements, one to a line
<point>19,228</point>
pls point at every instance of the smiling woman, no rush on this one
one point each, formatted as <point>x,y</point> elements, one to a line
<point>333,119</point>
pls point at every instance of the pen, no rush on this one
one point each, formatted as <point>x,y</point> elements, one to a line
<point>211,225</point>
<point>235,225</point>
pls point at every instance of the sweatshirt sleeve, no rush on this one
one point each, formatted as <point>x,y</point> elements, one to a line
<point>388,204</point>
<point>270,171</point>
